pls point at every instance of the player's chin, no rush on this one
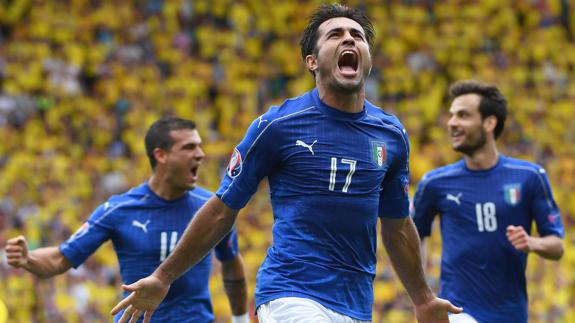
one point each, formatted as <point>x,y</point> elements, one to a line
<point>350,85</point>
<point>190,185</point>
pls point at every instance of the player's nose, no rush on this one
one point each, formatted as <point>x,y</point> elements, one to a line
<point>348,39</point>
<point>200,154</point>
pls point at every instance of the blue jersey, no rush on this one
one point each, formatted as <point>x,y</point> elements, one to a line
<point>330,174</point>
<point>144,229</point>
<point>480,269</point>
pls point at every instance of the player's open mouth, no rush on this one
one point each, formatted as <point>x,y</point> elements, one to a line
<point>348,62</point>
<point>455,135</point>
<point>194,170</point>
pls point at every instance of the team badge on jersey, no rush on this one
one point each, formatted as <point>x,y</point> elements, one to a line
<point>512,194</point>
<point>378,153</point>
<point>235,165</point>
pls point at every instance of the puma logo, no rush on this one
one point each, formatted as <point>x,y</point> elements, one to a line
<point>303,144</point>
<point>454,198</point>
<point>141,225</point>
<point>261,121</point>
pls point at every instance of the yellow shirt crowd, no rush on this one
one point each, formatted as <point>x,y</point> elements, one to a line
<point>81,81</point>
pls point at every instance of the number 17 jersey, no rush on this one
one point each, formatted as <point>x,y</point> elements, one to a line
<point>330,174</point>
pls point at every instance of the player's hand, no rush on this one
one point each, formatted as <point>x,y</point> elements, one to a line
<point>147,294</point>
<point>519,238</point>
<point>436,311</point>
<point>17,251</point>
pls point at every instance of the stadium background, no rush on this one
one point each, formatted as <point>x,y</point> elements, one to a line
<point>80,82</point>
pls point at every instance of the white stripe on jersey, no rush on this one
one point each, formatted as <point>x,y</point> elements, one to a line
<point>547,195</point>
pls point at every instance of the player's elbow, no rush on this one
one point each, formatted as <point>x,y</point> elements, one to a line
<point>558,254</point>
<point>557,250</point>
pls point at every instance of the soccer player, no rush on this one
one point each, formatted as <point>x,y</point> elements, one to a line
<point>334,163</point>
<point>487,203</point>
<point>145,224</point>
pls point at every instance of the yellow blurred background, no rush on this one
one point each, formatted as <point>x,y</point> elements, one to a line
<point>81,81</point>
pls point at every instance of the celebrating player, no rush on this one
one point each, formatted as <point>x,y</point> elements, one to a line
<point>487,203</point>
<point>145,224</point>
<point>334,163</point>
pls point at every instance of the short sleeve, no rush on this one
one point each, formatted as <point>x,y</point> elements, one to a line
<point>394,198</point>
<point>544,209</point>
<point>88,238</point>
<point>227,249</point>
<point>251,161</point>
<point>424,208</point>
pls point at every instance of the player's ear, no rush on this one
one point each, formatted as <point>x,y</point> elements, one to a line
<point>490,123</point>
<point>160,155</point>
<point>311,63</point>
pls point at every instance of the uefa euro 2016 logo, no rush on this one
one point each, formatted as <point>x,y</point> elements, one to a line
<point>235,164</point>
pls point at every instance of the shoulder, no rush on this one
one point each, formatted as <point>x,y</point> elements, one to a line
<point>442,172</point>
<point>377,113</point>
<point>289,108</point>
<point>115,203</point>
<point>200,193</point>
<point>385,119</point>
<point>266,126</point>
<point>521,165</point>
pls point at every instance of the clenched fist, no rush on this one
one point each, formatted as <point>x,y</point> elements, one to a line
<point>519,238</point>
<point>17,251</point>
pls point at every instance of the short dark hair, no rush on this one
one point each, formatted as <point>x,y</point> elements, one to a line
<point>158,135</point>
<point>326,12</point>
<point>492,102</point>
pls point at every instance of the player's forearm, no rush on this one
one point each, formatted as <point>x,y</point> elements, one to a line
<point>210,224</point>
<point>549,247</point>
<point>423,250</point>
<point>46,262</point>
<point>403,246</point>
<point>235,285</point>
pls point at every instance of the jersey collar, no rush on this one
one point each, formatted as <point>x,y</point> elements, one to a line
<point>335,113</point>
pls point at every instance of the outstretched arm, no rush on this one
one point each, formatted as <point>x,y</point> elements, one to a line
<point>235,285</point>
<point>210,224</point>
<point>548,247</point>
<point>42,262</point>
<point>402,244</point>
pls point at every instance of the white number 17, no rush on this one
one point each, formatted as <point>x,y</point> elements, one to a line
<point>351,164</point>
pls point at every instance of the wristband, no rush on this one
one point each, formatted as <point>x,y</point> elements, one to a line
<point>244,318</point>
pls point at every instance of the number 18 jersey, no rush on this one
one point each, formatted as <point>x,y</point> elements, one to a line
<point>480,269</point>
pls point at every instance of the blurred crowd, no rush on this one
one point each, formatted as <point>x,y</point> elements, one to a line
<point>81,81</point>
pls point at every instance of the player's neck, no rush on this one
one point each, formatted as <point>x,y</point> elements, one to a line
<point>161,188</point>
<point>483,158</point>
<point>346,102</point>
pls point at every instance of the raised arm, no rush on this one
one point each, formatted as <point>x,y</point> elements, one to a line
<point>402,244</point>
<point>235,285</point>
<point>210,224</point>
<point>42,262</point>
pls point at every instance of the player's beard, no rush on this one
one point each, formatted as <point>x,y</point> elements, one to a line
<point>348,87</point>
<point>473,143</point>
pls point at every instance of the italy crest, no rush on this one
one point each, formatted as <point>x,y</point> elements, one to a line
<point>378,153</point>
<point>512,193</point>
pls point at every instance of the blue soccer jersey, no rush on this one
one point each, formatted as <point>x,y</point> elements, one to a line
<point>330,174</point>
<point>480,269</point>
<point>144,229</point>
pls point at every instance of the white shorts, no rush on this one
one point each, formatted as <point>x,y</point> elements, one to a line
<point>300,310</point>
<point>461,318</point>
